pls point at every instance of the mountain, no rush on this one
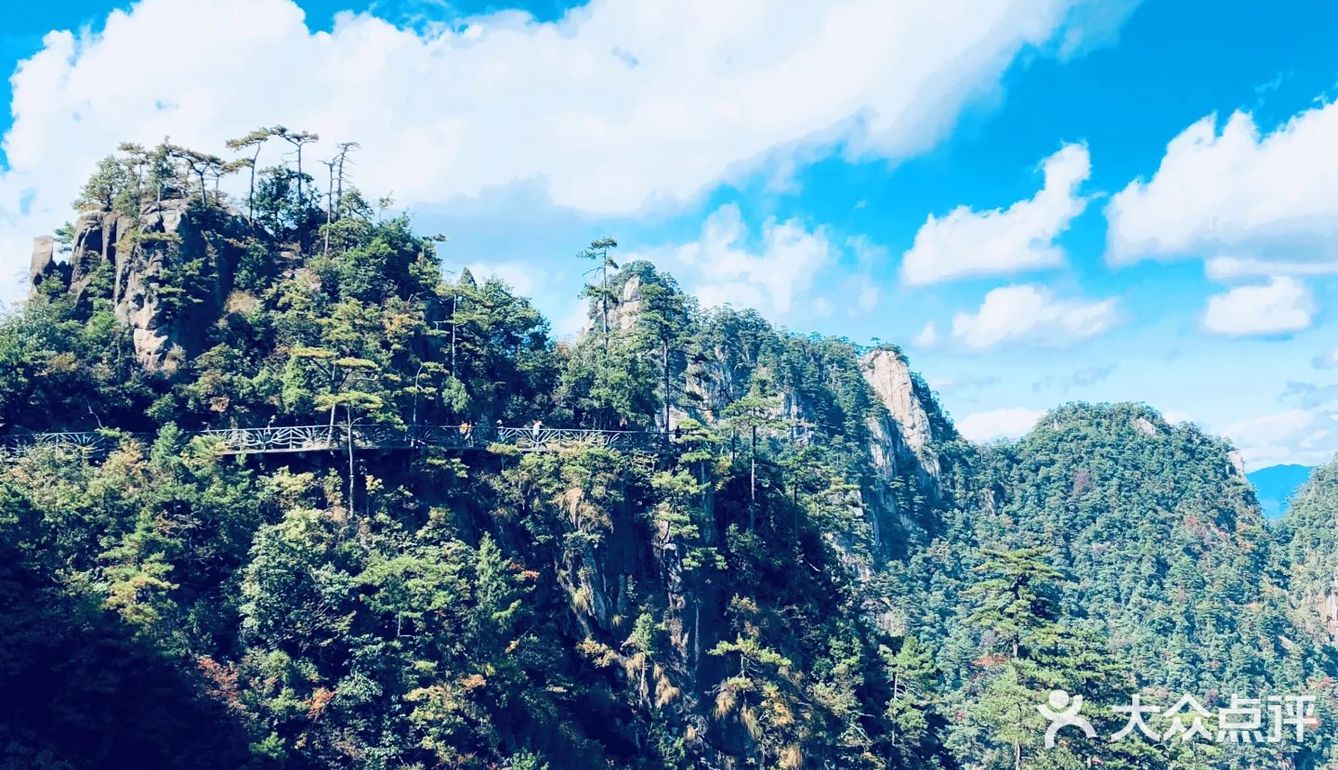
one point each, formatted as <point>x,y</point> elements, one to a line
<point>1276,485</point>
<point>1310,532</point>
<point>687,539</point>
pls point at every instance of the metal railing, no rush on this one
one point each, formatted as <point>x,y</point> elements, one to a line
<point>320,438</point>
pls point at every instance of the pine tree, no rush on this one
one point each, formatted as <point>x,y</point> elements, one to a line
<point>1017,608</point>
<point>599,252</point>
<point>663,321</point>
<point>756,414</point>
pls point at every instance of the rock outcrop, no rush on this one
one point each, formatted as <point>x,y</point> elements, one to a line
<point>1237,463</point>
<point>624,315</point>
<point>140,263</point>
<point>909,436</point>
<point>624,310</point>
<point>43,264</point>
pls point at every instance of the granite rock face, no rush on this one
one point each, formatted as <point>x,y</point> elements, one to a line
<point>140,262</point>
<point>909,436</point>
<point>44,264</point>
<point>625,314</point>
<point>624,309</point>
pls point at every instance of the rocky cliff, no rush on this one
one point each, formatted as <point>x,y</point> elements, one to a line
<point>166,271</point>
<point>905,435</point>
<point>730,603</point>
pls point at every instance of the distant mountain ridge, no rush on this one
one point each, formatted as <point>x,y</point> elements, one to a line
<point>1276,485</point>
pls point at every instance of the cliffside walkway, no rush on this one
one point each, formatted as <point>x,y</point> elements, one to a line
<point>325,438</point>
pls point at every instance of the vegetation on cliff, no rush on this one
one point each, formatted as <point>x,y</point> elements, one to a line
<point>817,572</point>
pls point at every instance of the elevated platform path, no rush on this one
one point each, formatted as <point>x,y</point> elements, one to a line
<point>325,438</point>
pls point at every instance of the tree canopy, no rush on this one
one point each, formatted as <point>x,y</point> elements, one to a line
<point>781,584</point>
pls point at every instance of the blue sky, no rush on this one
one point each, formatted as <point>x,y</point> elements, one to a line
<point>793,159</point>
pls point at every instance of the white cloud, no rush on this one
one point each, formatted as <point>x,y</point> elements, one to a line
<point>614,108</point>
<point>1098,24</point>
<point>775,268</point>
<point>964,383</point>
<point>1177,418</point>
<point>569,324</point>
<point>928,336</point>
<point>1294,436</point>
<point>523,277</point>
<point>1269,198</point>
<point>866,299</point>
<point>1085,377</point>
<point>721,267</point>
<point>868,257</point>
<point>1002,241</point>
<point>1277,307</point>
<point>1031,314</point>
<point>1327,360</point>
<point>998,423</point>
<point>1310,395</point>
<point>1232,268</point>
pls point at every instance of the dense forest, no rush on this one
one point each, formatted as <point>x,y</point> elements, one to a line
<point>807,567</point>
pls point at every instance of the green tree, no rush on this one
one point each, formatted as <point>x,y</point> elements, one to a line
<point>755,414</point>
<point>600,252</point>
<point>663,319</point>
<point>911,672</point>
<point>253,142</point>
<point>108,184</point>
<point>763,696</point>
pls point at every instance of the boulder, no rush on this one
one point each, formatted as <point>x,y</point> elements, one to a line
<point>43,262</point>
